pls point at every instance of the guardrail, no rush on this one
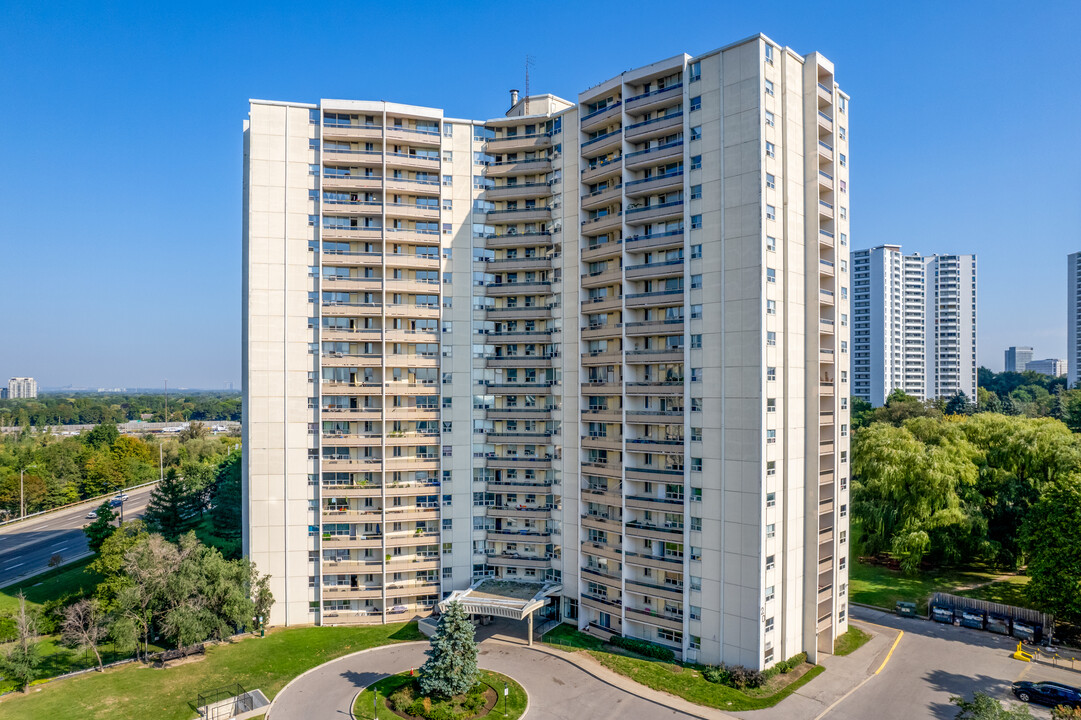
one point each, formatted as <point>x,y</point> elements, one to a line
<point>98,499</point>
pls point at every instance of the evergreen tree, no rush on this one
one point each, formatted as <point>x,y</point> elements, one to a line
<point>225,512</point>
<point>169,509</point>
<point>451,668</point>
<point>958,405</point>
<point>99,531</point>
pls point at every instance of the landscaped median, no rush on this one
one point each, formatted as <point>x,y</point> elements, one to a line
<point>685,680</point>
<point>135,691</point>
<point>400,692</point>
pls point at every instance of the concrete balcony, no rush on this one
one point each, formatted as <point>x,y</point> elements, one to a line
<point>655,127</point>
<point>414,186</point>
<point>664,533</point>
<point>601,251</point>
<point>407,539</point>
<point>428,213</point>
<point>655,388</point>
<point>825,122</point>
<point>519,361</point>
<point>657,562</point>
<point>602,442</point>
<point>611,357</point>
<point>524,513</point>
<point>654,155</point>
<point>661,505</point>
<point>657,241</point>
<point>602,304</point>
<point>519,167</point>
<point>610,551</point>
<point>353,182</point>
<point>534,312</point>
<point>352,132</point>
<point>654,185</point>
<point>601,198</point>
<point>659,355</point>
<point>602,224</point>
<point>517,240</point>
<point>825,152</point>
<point>654,270</point>
<point>649,214</point>
<point>597,522</point>
<point>519,215</point>
<point>600,118</point>
<point>517,288</point>
<point>518,191</point>
<point>516,560</point>
<point>412,136</point>
<point>347,592</point>
<point>518,143</point>
<point>610,276</point>
<point>602,170</point>
<point>611,470</point>
<point>412,162</point>
<point>655,99</point>
<point>601,415</point>
<point>602,144</point>
<point>654,299</point>
<point>664,592</point>
<point>657,619</point>
<point>654,327</point>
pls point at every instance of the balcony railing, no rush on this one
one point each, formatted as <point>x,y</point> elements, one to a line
<point>644,123</point>
<point>654,92</point>
<point>657,148</point>
<point>604,109</point>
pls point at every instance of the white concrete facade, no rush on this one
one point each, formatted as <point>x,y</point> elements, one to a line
<point>640,354</point>
<point>22,387</point>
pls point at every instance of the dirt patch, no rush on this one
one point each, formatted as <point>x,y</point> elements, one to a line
<point>780,680</point>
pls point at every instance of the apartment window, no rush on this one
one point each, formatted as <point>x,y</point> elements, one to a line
<point>844,376</point>
<point>696,374</point>
<point>696,464</point>
<point>771,437</point>
<point>448,204</point>
<point>769,53</point>
<point>448,180</point>
<point>696,435</point>
<point>771,562</point>
<point>448,524</point>
<point>696,282</point>
<point>841,132</point>
<point>771,149</point>
<point>696,192</point>
<point>696,494</point>
<point>842,104</point>
<point>771,182</point>
<point>696,404</point>
<point>696,312</point>
<point>448,229</point>
<point>771,307</point>
<point>769,119</point>
<point>844,212</point>
<point>696,251</point>
<point>696,524</point>
<point>771,338</point>
<point>769,593</point>
<point>771,530</point>
<point>844,459</point>
<point>448,450</point>
<point>448,572</point>
<point>696,222</point>
<point>769,87</point>
<point>313,170</point>
<point>696,133</point>
<point>696,341</point>
<point>771,405</point>
<point>313,220</point>
<point>694,70</point>
<point>844,160</point>
<point>842,563</point>
<point>696,162</point>
<point>448,378</point>
<point>313,116</point>
<point>771,373</point>
<point>844,430</point>
<point>844,239</point>
<point>771,275</point>
<point>771,243</point>
<point>771,499</point>
<point>447,402</point>
<point>696,103</point>
<point>844,511</point>
<point>843,536</point>
<point>696,612</point>
<point>771,467</point>
<point>696,554</point>
<point>448,156</point>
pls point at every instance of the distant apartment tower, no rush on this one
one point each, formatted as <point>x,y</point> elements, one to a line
<point>913,324</point>
<point>1017,357</point>
<point>22,387</point>
<point>1073,318</point>
<point>600,347</point>
<point>1052,367</point>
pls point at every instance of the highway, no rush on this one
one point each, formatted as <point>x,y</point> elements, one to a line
<point>25,547</point>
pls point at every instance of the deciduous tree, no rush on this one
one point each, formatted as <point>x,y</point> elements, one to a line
<point>84,627</point>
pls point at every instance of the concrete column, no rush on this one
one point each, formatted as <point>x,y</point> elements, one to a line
<point>530,618</point>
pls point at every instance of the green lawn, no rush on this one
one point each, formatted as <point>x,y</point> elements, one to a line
<point>882,587</point>
<point>131,691</point>
<point>1010,591</point>
<point>850,641</point>
<point>682,679</point>
<point>516,700</point>
<point>76,578</point>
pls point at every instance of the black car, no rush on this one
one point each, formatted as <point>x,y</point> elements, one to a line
<point>1047,693</point>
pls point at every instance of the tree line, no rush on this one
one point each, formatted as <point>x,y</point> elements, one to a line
<point>939,489</point>
<point>97,408</point>
<point>48,471</point>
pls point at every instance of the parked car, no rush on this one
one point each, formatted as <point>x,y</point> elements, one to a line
<point>92,514</point>
<point>1047,693</point>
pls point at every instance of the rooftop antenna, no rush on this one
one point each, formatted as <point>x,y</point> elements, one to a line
<point>529,62</point>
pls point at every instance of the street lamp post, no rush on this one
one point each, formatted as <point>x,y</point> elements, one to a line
<point>22,494</point>
<point>506,692</point>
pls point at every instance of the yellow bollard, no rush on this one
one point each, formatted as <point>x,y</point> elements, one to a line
<point>1020,654</point>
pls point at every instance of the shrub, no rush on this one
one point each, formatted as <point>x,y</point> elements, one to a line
<point>785,666</point>
<point>402,699</point>
<point>420,707</point>
<point>474,702</point>
<point>441,712</point>
<point>736,676</point>
<point>643,648</point>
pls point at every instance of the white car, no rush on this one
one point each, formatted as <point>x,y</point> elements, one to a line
<point>121,497</point>
<point>92,514</point>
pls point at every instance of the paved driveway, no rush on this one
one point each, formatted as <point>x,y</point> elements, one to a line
<point>557,689</point>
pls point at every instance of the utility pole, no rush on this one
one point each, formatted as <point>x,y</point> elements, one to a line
<point>166,404</point>
<point>22,497</point>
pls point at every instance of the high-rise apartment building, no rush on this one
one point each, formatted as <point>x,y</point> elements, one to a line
<point>599,349</point>
<point>1073,318</point>
<point>22,387</point>
<point>1052,367</point>
<point>914,324</point>
<point>1017,357</point>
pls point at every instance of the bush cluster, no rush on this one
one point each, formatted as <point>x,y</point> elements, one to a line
<point>740,677</point>
<point>407,700</point>
<point>643,648</point>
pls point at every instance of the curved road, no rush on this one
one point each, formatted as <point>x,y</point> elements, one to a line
<point>557,688</point>
<point>25,547</point>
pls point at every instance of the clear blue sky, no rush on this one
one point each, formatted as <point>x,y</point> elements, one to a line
<point>120,145</point>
